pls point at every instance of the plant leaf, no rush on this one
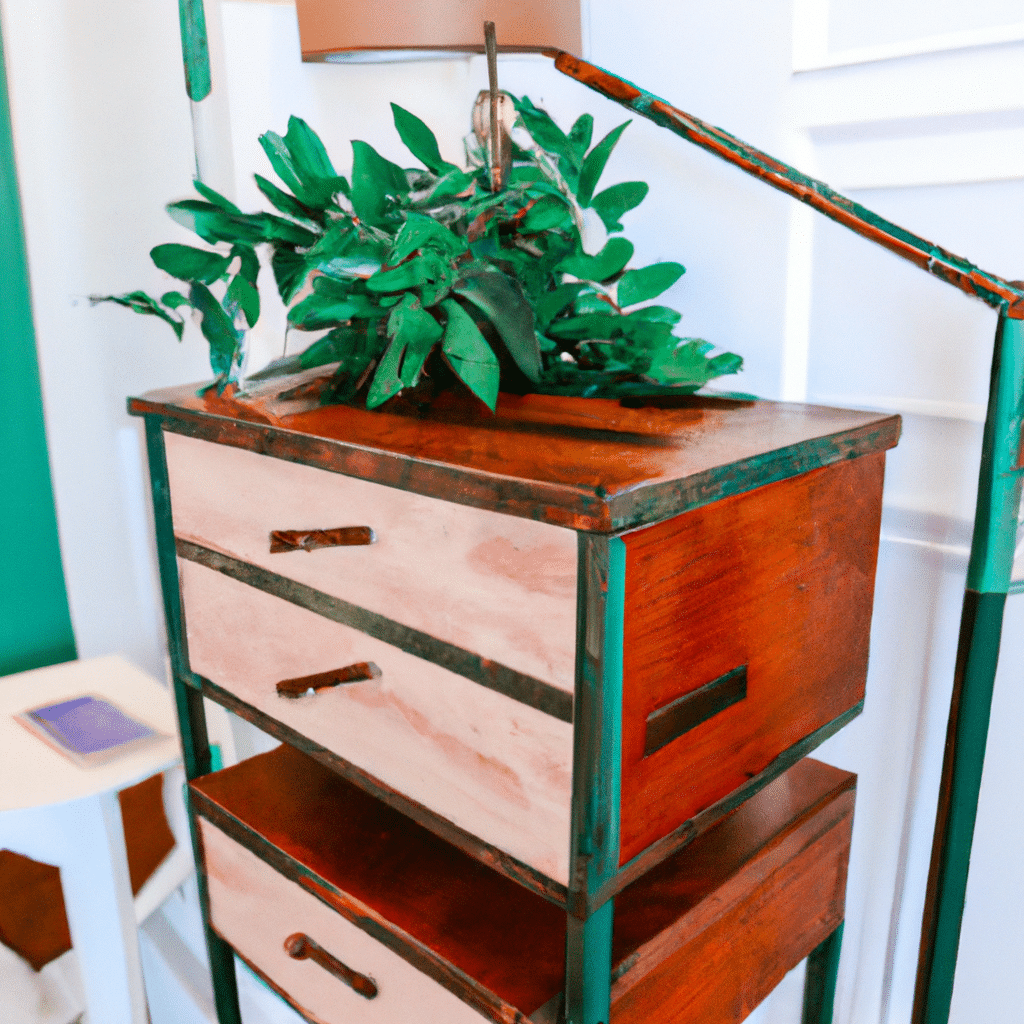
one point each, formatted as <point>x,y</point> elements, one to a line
<point>285,203</point>
<point>546,213</point>
<point>685,363</point>
<point>420,231</point>
<point>419,140</point>
<point>224,338</point>
<point>374,179</point>
<point>588,327</point>
<point>613,202</point>
<point>504,304</point>
<point>289,272</point>
<point>172,300</point>
<point>386,381</point>
<point>553,302</point>
<point>648,282</point>
<point>610,261</point>
<point>140,302</point>
<point>187,263</point>
<point>593,166</point>
<point>215,197</point>
<point>241,294</point>
<point>469,355</point>
<point>580,135</point>
<point>214,224</point>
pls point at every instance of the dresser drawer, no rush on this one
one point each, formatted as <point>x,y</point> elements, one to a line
<point>496,585</point>
<point>258,911</point>
<point>493,766</point>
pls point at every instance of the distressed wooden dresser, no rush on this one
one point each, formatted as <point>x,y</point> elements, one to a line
<point>545,684</point>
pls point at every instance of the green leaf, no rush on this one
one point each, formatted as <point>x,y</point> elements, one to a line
<point>188,263</point>
<point>281,160</point>
<point>411,274</point>
<point>321,309</point>
<point>648,282</point>
<point>613,202</point>
<point>419,140</point>
<point>593,166</point>
<point>215,197</point>
<point>289,272</point>
<point>580,135</point>
<point>469,354</point>
<point>374,181</point>
<point>214,224</point>
<point>588,327</point>
<point>418,331</point>
<point>285,203</point>
<point>543,129</point>
<point>309,156</point>
<point>301,162</point>
<point>250,262</point>
<point>656,315</point>
<point>610,261</point>
<point>546,213</point>
<point>553,302</point>
<point>386,381</point>
<point>504,304</point>
<point>172,300</point>
<point>241,294</point>
<point>140,302</point>
<point>420,231</point>
<point>224,338</point>
<point>685,363</point>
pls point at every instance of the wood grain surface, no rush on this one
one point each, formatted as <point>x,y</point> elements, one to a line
<point>496,585</point>
<point>380,866</point>
<point>588,464</point>
<point>704,937</point>
<point>493,766</point>
<point>780,580</point>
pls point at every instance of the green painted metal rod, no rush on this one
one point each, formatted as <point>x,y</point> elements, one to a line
<point>1005,296</point>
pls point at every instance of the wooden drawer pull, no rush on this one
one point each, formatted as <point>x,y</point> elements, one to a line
<point>302,947</point>
<point>357,673</point>
<point>310,540</point>
<point>690,710</point>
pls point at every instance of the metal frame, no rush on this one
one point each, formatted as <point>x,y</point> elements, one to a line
<point>988,584</point>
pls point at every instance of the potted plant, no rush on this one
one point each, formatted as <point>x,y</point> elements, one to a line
<point>420,278</point>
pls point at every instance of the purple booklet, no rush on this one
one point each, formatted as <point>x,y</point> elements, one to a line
<point>89,730</point>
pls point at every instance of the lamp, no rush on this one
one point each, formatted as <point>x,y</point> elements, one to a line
<point>365,30</point>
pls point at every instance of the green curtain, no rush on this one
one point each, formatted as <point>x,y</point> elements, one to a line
<point>35,625</point>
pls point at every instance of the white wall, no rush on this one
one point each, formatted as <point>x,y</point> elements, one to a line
<point>103,140</point>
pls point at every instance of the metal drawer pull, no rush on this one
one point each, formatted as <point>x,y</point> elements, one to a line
<point>357,673</point>
<point>302,947</point>
<point>310,540</point>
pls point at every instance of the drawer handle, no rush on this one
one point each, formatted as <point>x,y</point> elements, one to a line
<point>302,947</point>
<point>310,540</point>
<point>357,673</point>
<point>692,709</point>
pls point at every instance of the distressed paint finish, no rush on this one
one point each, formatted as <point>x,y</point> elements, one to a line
<point>820,983</point>
<point>195,49</point>
<point>502,587</point>
<point>596,776</point>
<point>988,583</point>
<point>584,463</point>
<point>1006,296</point>
<point>482,936</point>
<point>703,938</point>
<point>256,910</point>
<point>780,580</point>
<point>493,766</point>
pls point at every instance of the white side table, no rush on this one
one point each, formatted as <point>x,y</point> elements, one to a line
<point>53,811</point>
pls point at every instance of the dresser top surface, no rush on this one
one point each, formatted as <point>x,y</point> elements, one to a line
<point>588,464</point>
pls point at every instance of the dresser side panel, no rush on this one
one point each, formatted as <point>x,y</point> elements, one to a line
<point>779,580</point>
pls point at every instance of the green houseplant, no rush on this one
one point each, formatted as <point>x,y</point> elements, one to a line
<point>415,277</point>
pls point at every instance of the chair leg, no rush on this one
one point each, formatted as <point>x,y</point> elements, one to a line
<point>820,986</point>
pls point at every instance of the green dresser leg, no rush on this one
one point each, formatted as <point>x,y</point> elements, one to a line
<point>589,967</point>
<point>820,986</point>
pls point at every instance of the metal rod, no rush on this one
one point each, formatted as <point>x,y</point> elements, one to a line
<point>955,270</point>
<point>491,45</point>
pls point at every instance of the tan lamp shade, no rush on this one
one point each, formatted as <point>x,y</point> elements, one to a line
<point>383,29</point>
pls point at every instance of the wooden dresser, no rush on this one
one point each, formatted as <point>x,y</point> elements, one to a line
<point>545,684</point>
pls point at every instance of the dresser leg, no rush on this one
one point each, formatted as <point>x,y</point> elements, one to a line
<point>820,986</point>
<point>589,967</point>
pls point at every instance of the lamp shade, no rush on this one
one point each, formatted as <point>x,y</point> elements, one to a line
<point>372,30</point>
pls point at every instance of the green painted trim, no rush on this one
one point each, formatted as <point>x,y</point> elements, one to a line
<point>597,775</point>
<point>195,49</point>
<point>966,737</point>
<point>1016,587</point>
<point>1000,479</point>
<point>589,967</point>
<point>222,956</point>
<point>517,686</point>
<point>35,622</point>
<point>820,983</point>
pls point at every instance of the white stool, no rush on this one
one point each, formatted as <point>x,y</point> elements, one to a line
<point>53,811</point>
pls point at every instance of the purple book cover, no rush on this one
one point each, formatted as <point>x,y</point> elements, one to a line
<point>89,729</point>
